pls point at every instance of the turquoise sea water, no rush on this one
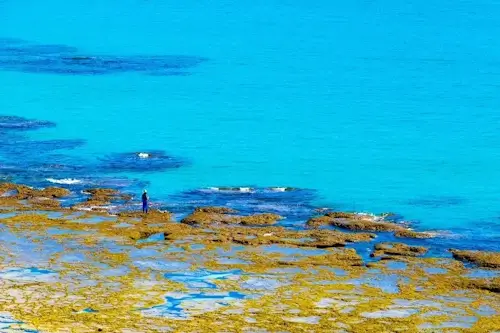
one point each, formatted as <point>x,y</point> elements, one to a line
<point>378,106</point>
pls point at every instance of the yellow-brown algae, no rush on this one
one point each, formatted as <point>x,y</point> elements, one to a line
<point>412,234</point>
<point>212,215</point>
<point>480,258</point>
<point>353,221</point>
<point>104,268</point>
<point>397,249</point>
<point>99,197</point>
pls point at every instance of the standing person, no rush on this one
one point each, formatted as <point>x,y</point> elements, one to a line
<point>145,199</point>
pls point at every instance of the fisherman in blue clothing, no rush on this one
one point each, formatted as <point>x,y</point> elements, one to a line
<point>145,199</point>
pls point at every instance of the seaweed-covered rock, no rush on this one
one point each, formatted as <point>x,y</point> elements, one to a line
<point>101,197</point>
<point>341,215</point>
<point>199,217</point>
<point>492,285</point>
<point>480,258</point>
<point>257,219</point>
<point>385,250</point>
<point>37,199</point>
<point>353,221</point>
<point>331,238</point>
<point>403,233</point>
<point>153,216</point>
<point>215,210</point>
<point>209,215</point>
<point>54,192</point>
<point>343,257</point>
<point>319,221</point>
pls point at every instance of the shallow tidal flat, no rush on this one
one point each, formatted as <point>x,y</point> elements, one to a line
<point>85,269</point>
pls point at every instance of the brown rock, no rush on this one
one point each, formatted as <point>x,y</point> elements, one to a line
<point>397,249</point>
<point>480,258</point>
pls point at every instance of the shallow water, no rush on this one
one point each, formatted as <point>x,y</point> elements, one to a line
<point>377,106</point>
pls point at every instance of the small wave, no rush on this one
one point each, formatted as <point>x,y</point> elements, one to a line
<point>143,155</point>
<point>65,181</point>
<point>281,189</point>
<point>232,189</point>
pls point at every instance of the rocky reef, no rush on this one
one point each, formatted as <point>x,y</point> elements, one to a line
<point>480,258</point>
<point>74,270</point>
<point>388,250</point>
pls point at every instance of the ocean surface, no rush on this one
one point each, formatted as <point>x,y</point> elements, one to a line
<point>389,106</point>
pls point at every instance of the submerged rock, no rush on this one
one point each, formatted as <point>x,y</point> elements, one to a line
<point>480,258</point>
<point>155,160</point>
<point>23,124</point>
<point>385,250</point>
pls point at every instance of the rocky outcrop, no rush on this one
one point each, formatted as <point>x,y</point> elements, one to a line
<point>412,234</point>
<point>480,258</point>
<point>388,250</point>
<point>353,221</point>
<point>211,215</point>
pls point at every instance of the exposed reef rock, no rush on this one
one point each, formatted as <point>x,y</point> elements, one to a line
<point>215,210</point>
<point>480,258</point>
<point>100,197</point>
<point>13,195</point>
<point>130,271</point>
<point>257,219</point>
<point>412,234</point>
<point>386,250</point>
<point>353,221</point>
<point>211,215</point>
<point>336,257</point>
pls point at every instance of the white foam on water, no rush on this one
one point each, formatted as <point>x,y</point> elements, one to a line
<point>143,155</point>
<point>65,181</point>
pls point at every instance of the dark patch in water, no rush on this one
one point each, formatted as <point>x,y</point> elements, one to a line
<point>15,123</point>
<point>436,202</point>
<point>22,56</point>
<point>21,149</point>
<point>147,161</point>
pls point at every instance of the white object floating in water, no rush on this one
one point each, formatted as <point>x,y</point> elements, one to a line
<point>143,155</point>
